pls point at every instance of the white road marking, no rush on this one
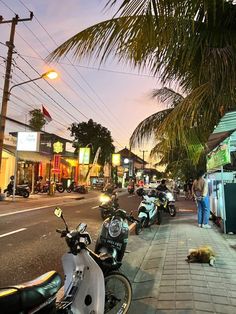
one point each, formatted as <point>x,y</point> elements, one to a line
<point>48,206</point>
<point>12,232</point>
<point>94,207</point>
<point>131,196</point>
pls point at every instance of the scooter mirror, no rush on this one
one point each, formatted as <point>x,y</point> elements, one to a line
<point>81,227</point>
<point>58,212</point>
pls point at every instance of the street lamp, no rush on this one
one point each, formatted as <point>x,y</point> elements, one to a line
<point>6,95</point>
<point>50,74</point>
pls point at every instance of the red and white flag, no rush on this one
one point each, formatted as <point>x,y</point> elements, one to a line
<point>46,114</point>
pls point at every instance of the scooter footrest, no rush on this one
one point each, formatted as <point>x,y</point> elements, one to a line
<point>63,304</point>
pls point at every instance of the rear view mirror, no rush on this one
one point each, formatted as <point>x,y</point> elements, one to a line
<point>81,227</point>
<point>58,212</point>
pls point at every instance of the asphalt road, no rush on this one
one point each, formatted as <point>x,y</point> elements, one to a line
<point>35,247</point>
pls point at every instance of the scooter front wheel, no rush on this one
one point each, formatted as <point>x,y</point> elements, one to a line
<point>118,293</point>
<point>25,194</point>
<point>138,227</point>
<point>172,210</point>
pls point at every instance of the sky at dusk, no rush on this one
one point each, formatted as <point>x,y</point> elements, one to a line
<point>115,95</point>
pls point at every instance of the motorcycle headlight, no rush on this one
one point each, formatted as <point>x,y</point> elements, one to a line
<point>169,196</point>
<point>104,199</point>
<point>115,228</point>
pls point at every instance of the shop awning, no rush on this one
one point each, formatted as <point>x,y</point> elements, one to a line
<point>225,128</point>
<point>33,157</point>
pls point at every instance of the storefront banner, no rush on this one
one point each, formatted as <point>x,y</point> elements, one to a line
<point>116,160</point>
<point>84,155</point>
<point>56,161</point>
<point>219,157</point>
<point>28,141</point>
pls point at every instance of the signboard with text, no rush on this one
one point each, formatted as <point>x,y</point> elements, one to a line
<point>56,161</point>
<point>28,141</point>
<point>116,159</point>
<point>84,155</point>
<point>219,157</point>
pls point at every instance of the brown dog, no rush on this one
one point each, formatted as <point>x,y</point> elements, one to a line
<point>203,254</point>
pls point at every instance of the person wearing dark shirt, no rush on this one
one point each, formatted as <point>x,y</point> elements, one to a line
<point>162,187</point>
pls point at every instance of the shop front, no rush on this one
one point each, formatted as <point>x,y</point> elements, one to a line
<point>221,168</point>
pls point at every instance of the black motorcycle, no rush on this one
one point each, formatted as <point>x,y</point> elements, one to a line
<point>114,234</point>
<point>76,188</point>
<point>21,190</point>
<point>108,202</point>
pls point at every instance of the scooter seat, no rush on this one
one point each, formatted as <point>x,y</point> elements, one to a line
<point>29,295</point>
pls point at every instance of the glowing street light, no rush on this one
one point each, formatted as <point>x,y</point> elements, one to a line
<point>52,74</point>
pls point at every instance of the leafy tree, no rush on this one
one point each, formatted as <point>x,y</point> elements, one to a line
<point>37,120</point>
<point>90,132</point>
<point>192,42</point>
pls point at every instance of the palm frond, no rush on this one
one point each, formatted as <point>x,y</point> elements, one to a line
<point>167,96</point>
<point>148,127</point>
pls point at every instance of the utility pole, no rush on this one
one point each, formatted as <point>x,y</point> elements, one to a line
<point>143,151</point>
<point>5,97</point>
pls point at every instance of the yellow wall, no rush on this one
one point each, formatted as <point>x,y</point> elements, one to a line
<point>8,164</point>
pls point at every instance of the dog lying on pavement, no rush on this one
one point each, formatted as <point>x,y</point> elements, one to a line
<point>203,254</point>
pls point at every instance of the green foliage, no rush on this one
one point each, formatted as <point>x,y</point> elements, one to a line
<point>90,132</point>
<point>192,42</point>
<point>37,120</point>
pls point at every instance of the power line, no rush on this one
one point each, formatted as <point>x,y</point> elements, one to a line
<point>69,62</point>
<point>99,69</point>
<point>38,98</point>
<point>35,90</point>
<point>39,74</point>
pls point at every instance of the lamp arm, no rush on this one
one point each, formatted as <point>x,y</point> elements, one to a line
<point>35,79</point>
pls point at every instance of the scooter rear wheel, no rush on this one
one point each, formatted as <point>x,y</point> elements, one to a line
<point>118,293</point>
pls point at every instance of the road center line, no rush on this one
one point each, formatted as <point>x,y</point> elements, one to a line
<point>12,232</point>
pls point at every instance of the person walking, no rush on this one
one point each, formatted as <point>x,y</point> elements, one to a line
<point>199,191</point>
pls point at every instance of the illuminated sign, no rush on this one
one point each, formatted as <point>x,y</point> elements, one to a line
<point>58,147</point>
<point>84,155</point>
<point>219,157</point>
<point>115,160</point>
<point>28,141</point>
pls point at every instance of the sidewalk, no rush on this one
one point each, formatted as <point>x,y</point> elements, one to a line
<point>163,282</point>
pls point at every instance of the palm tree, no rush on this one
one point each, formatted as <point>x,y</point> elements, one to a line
<point>193,150</point>
<point>189,41</point>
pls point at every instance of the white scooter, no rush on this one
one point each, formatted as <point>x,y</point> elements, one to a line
<point>86,290</point>
<point>148,211</point>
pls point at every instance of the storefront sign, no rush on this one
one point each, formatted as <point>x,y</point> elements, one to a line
<point>58,147</point>
<point>28,141</point>
<point>115,160</point>
<point>56,161</point>
<point>84,155</point>
<point>219,157</point>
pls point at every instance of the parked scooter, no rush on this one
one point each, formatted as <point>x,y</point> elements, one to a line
<point>166,202</point>
<point>86,289</point>
<point>76,188</point>
<point>21,189</point>
<point>113,237</point>
<point>108,201</point>
<point>148,211</point>
<point>39,188</point>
